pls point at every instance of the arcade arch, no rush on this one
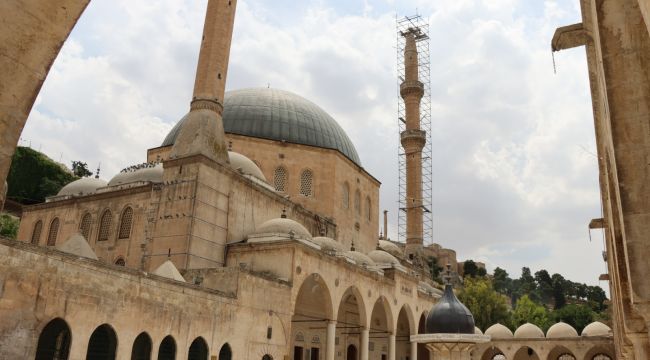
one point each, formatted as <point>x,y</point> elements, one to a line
<point>102,344</point>
<point>141,347</point>
<point>526,353</point>
<point>312,315</point>
<point>382,337</point>
<point>423,353</point>
<point>54,341</point>
<point>351,320</point>
<point>493,353</point>
<point>561,353</point>
<point>404,328</point>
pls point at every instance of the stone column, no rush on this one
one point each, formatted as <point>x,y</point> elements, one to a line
<point>391,347</point>
<point>331,336</point>
<point>413,140</point>
<point>202,132</point>
<point>414,350</point>
<point>363,344</point>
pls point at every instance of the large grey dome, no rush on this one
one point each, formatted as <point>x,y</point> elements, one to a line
<point>279,115</point>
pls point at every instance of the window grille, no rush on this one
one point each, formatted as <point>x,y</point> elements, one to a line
<point>602,357</point>
<point>499,357</point>
<point>346,196</point>
<point>368,203</point>
<point>125,223</point>
<point>54,231</point>
<point>306,181</point>
<point>566,357</point>
<point>105,226</point>
<point>357,202</point>
<point>120,262</point>
<point>280,179</point>
<point>84,226</point>
<point>36,234</point>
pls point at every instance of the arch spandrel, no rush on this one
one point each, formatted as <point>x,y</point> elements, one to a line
<point>313,292</point>
<point>361,304</point>
<point>382,305</point>
<point>408,311</point>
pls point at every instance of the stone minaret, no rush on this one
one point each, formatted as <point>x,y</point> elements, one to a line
<point>413,140</point>
<point>202,132</point>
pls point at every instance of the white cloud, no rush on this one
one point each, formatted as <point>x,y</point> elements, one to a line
<point>514,181</point>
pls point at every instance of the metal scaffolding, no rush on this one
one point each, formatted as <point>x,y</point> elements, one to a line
<point>416,22</point>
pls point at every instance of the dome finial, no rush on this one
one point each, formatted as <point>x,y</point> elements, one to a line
<point>447,277</point>
<point>97,173</point>
<point>352,246</point>
<point>284,214</point>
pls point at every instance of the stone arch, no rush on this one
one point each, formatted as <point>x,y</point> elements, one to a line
<point>36,232</point>
<point>142,346</point>
<point>381,326</point>
<point>351,318</point>
<point>281,179</point>
<point>225,353</point>
<point>492,353</point>
<point>352,293</point>
<point>423,352</point>
<point>167,348</point>
<point>404,327</point>
<point>126,223</point>
<point>54,341</point>
<point>408,312</point>
<point>85,225</point>
<point>105,221</point>
<point>198,350</point>
<point>307,183</point>
<point>53,231</point>
<point>559,352</point>
<point>312,312</point>
<point>603,351</point>
<point>526,353</point>
<point>102,344</point>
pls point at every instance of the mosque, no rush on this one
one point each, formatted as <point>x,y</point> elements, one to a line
<point>251,232</point>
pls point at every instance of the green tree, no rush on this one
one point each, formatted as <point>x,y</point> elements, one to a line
<point>575,315</point>
<point>33,176</point>
<point>596,298</point>
<point>528,311</point>
<point>559,290</point>
<point>502,283</point>
<point>470,269</point>
<point>544,286</point>
<point>481,272</point>
<point>80,169</point>
<point>487,306</point>
<point>9,226</point>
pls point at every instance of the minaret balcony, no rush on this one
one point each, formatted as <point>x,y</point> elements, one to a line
<point>413,139</point>
<point>411,87</point>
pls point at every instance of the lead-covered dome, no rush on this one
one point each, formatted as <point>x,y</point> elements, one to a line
<point>85,186</point>
<point>279,115</point>
<point>450,316</point>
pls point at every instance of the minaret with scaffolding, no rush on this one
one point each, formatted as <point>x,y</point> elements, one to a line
<point>414,107</point>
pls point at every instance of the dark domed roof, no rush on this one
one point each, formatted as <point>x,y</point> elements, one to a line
<point>450,316</point>
<point>279,115</point>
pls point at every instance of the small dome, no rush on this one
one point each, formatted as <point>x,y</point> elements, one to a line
<point>360,258</point>
<point>245,165</point>
<point>328,244</point>
<point>85,186</point>
<point>597,328</point>
<point>450,316</point>
<point>382,257</point>
<point>498,331</point>
<point>390,247</point>
<point>561,330</point>
<point>145,173</point>
<point>528,331</point>
<point>283,226</point>
<point>477,331</point>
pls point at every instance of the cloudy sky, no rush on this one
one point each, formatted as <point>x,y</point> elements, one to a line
<point>515,170</point>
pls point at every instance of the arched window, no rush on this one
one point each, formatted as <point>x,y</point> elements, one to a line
<point>225,353</point>
<point>102,344</point>
<point>167,349</point>
<point>54,342</point>
<point>125,223</point>
<point>566,357</point>
<point>280,179</point>
<point>54,231</point>
<point>368,212</point>
<point>120,262</point>
<point>84,226</point>
<point>141,347</point>
<point>346,196</point>
<point>498,357</point>
<point>602,357</point>
<point>267,357</point>
<point>198,350</point>
<point>306,183</point>
<point>357,202</point>
<point>105,226</point>
<point>36,233</point>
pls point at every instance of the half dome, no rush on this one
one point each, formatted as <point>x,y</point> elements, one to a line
<point>596,328</point>
<point>283,226</point>
<point>498,331</point>
<point>450,316</point>
<point>85,186</point>
<point>561,330</point>
<point>381,257</point>
<point>529,331</point>
<point>279,115</point>
<point>245,165</point>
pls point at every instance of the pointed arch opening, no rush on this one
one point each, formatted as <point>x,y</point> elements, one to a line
<point>54,341</point>
<point>167,349</point>
<point>404,328</point>
<point>105,225</point>
<point>84,225</point>
<point>493,353</point>
<point>526,353</point>
<point>312,312</point>
<point>381,326</point>
<point>226,352</point>
<point>351,318</point>
<point>102,344</point>
<point>126,220</point>
<point>198,350</point>
<point>36,233</point>
<point>561,353</point>
<point>423,352</point>
<point>306,183</point>
<point>280,179</point>
<point>53,232</point>
<point>142,347</point>
<point>345,195</point>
